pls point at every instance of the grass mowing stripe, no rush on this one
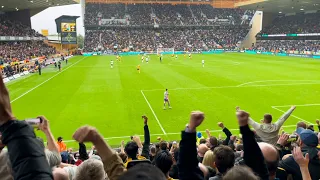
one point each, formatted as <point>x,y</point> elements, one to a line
<point>45,81</point>
<point>154,114</point>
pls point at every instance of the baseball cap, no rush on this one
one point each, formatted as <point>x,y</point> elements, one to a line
<point>307,136</point>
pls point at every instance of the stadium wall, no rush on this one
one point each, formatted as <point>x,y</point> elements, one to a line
<point>22,16</point>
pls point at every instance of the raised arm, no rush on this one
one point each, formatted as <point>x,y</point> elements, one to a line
<point>113,164</point>
<point>146,144</point>
<point>302,162</point>
<point>23,148</point>
<point>284,117</point>
<point>251,122</point>
<point>226,132</point>
<point>45,128</point>
<point>188,162</point>
<point>253,156</point>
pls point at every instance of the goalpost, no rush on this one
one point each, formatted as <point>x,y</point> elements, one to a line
<point>165,50</point>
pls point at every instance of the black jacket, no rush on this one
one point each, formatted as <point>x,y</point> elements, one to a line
<point>252,155</point>
<point>291,167</point>
<point>188,162</point>
<point>27,156</point>
<point>145,148</point>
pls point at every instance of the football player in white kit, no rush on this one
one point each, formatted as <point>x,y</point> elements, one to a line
<point>202,62</point>
<point>166,99</point>
<point>111,64</point>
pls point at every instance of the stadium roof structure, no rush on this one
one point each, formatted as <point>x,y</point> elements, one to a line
<point>16,5</point>
<point>280,6</point>
<point>214,3</point>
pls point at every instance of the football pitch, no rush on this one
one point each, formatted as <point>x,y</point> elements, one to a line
<point>88,91</point>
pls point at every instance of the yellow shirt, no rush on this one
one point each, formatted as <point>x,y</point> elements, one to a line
<point>130,159</point>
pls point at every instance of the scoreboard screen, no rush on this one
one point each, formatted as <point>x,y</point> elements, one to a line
<point>68,27</point>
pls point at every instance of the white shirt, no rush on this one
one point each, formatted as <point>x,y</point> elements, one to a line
<point>202,61</point>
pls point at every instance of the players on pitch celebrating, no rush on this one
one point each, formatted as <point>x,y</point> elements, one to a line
<point>166,99</point>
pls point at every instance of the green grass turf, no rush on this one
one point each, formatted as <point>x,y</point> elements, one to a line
<point>88,91</point>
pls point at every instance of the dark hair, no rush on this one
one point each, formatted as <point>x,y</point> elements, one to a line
<point>166,89</point>
<point>143,171</point>
<point>153,149</point>
<point>203,141</point>
<point>131,149</point>
<point>213,141</point>
<point>163,161</point>
<point>239,173</point>
<point>267,118</point>
<point>163,145</point>
<point>59,138</point>
<point>223,158</point>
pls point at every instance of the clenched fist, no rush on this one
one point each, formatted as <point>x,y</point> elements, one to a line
<point>196,118</point>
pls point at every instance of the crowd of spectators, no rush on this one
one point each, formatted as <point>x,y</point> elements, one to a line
<point>162,14</point>
<point>22,50</point>
<point>266,152</point>
<point>151,39</point>
<point>288,45</point>
<point>15,28</point>
<point>299,23</point>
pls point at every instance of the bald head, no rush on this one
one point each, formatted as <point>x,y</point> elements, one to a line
<point>202,149</point>
<point>269,152</point>
<point>271,157</point>
<point>60,174</point>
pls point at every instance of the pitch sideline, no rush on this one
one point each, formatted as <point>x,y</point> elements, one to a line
<point>30,90</point>
<point>154,114</point>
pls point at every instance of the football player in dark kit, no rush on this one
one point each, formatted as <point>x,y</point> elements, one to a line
<point>39,69</point>
<point>59,66</point>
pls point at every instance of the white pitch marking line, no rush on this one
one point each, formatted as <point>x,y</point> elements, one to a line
<point>122,137</point>
<point>298,105</point>
<point>222,87</point>
<point>292,115</point>
<point>154,114</point>
<point>45,81</point>
<point>272,81</point>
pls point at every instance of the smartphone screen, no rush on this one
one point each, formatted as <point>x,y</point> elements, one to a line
<point>33,122</point>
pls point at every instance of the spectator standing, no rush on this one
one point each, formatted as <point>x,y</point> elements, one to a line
<point>61,145</point>
<point>269,131</point>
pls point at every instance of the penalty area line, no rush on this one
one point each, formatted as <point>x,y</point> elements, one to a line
<point>30,90</point>
<point>154,114</point>
<point>291,115</point>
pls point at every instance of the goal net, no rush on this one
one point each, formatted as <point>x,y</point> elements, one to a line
<point>165,51</point>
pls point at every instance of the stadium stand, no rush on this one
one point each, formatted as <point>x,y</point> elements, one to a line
<point>288,45</point>
<point>227,34</point>
<point>299,23</point>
